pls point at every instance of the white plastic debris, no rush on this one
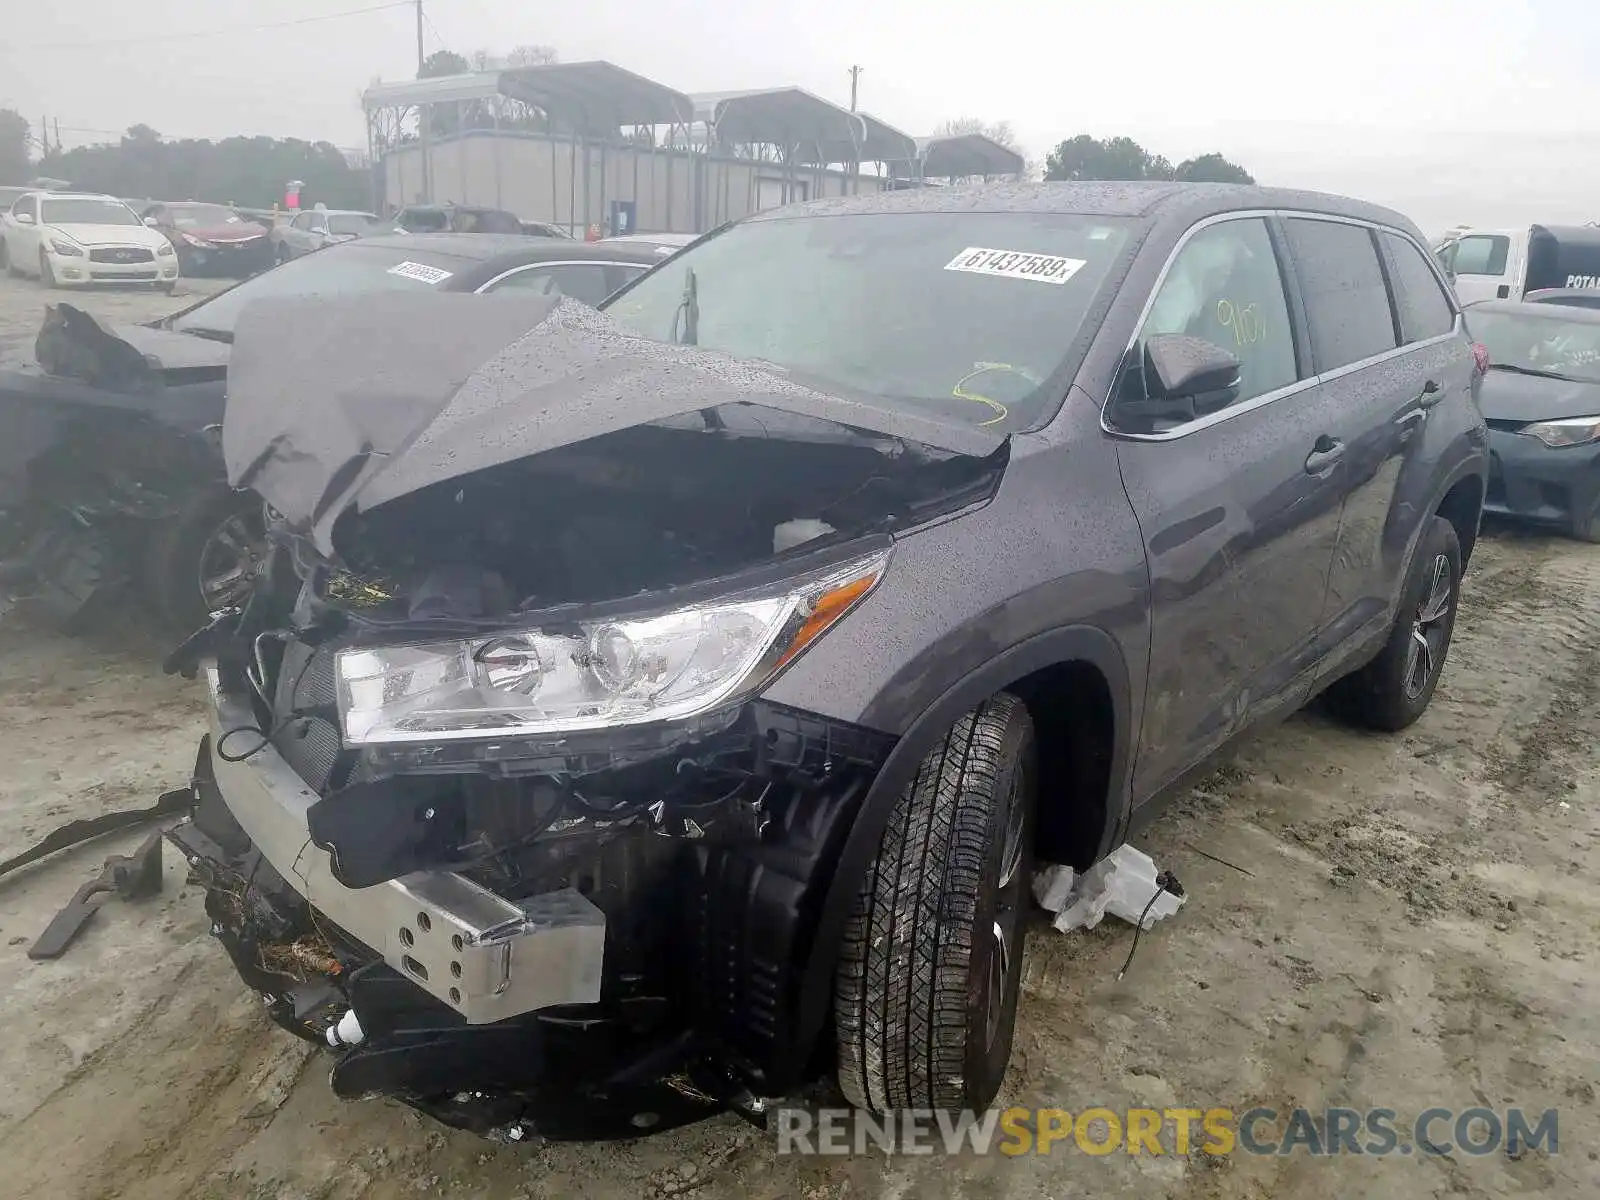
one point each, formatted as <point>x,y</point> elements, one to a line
<point>1122,884</point>
<point>796,533</point>
<point>1052,885</point>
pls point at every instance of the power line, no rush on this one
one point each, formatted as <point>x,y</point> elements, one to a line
<point>210,33</point>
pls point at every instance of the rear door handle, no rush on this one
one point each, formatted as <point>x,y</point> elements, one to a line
<point>1326,454</point>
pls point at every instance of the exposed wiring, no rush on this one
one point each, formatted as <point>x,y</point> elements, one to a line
<point>278,727</point>
<point>233,29</point>
<point>1165,882</point>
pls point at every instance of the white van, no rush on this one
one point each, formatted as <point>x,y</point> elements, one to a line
<point>1503,264</point>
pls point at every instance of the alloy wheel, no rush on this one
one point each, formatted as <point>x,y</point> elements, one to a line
<point>1009,908</point>
<point>229,559</point>
<point>1429,628</point>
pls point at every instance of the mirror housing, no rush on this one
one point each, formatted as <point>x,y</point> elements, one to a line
<point>1185,377</point>
<point>151,221</point>
<point>23,218</point>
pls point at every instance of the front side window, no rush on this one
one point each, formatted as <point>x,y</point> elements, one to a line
<point>956,316</point>
<point>1425,310</point>
<point>1481,254</point>
<point>1225,286</point>
<point>1346,298</point>
<point>87,210</point>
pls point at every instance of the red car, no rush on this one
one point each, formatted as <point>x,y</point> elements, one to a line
<point>211,239</point>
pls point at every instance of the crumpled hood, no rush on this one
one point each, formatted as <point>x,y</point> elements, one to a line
<point>1508,396</point>
<point>334,402</point>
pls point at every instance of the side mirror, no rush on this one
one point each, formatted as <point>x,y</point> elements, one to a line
<point>152,222</point>
<point>23,218</point>
<point>1185,377</point>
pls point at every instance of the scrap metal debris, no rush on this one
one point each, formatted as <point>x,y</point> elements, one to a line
<point>131,876</point>
<point>74,833</point>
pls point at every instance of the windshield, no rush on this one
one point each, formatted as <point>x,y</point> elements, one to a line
<point>352,223</point>
<point>956,315</point>
<point>87,210</point>
<point>1545,344</point>
<point>201,216</point>
<point>348,267</point>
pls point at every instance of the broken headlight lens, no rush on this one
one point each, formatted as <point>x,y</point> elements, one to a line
<point>661,667</point>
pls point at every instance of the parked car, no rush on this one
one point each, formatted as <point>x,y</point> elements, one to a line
<point>1579,297</point>
<point>1542,402</point>
<point>1505,264</point>
<point>321,227</point>
<point>76,239</point>
<point>108,474</point>
<point>211,239</point>
<point>663,243</point>
<point>542,229</point>
<point>642,707</point>
<point>456,218</point>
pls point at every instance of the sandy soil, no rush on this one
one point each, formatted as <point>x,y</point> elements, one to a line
<point>1406,922</point>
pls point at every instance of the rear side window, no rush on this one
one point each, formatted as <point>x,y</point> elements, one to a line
<point>1481,254</point>
<point>1425,312</point>
<point>1341,281</point>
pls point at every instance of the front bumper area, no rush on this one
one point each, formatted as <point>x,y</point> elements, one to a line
<point>80,269</point>
<point>486,957</point>
<point>655,978</point>
<point>1533,482</point>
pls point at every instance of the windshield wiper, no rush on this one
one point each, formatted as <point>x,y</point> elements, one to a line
<point>1536,372</point>
<point>686,317</point>
<point>211,335</point>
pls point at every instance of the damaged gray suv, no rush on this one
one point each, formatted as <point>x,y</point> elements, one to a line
<point>654,711</point>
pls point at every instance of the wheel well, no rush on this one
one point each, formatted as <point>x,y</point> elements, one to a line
<point>1462,506</point>
<point>1074,724</point>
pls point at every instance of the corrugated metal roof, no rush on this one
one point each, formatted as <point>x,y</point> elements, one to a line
<point>783,116</point>
<point>959,154</point>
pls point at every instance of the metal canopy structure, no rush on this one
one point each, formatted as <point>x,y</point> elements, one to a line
<point>961,155</point>
<point>596,99</point>
<point>880,143</point>
<point>789,119</point>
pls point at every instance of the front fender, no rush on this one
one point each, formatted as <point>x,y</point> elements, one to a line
<point>1073,643</point>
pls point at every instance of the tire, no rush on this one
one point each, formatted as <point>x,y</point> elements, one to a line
<point>925,995</point>
<point>6,264</point>
<point>181,550</point>
<point>170,288</point>
<point>1394,689</point>
<point>283,255</point>
<point>1588,529</point>
<point>47,273</point>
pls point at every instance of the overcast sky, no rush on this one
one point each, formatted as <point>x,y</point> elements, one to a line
<point>1478,111</point>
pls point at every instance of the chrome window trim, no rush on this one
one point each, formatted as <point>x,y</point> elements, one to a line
<point>563,262</point>
<point>1300,385</point>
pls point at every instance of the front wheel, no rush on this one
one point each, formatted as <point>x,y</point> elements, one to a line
<point>47,273</point>
<point>1393,690</point>
<point>206,558</point>
<point>925,997</point>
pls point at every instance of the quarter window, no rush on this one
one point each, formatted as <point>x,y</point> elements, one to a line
<point>1481,254</point>
<point>1347,302</point>
<point>1225,286</point>
<point>1425,311</point>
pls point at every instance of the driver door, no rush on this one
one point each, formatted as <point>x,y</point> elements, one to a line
<point>1239,515</point>
<point>22,237</point>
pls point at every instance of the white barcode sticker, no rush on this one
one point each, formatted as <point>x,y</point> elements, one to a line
<point>1016,264</point>
<point>421,272</point>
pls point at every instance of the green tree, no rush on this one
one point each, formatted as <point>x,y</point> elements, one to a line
<point>1118,158</point>
<point>1211,168</point>
<point>1122,158</point>
<point>443,62</point>
<point>15,161</point>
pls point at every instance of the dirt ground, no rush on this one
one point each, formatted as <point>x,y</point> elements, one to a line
<point>1406,922</point>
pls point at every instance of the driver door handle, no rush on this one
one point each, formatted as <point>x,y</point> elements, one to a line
<point>1326,454</point>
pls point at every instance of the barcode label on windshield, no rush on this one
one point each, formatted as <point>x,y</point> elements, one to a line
<point>421,272</point>
<point>1016,264</point>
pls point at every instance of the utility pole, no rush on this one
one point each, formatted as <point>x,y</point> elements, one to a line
<point>44,135</point>
<point>57,122</point>
<point>855,75</point>
<point>421,57</point>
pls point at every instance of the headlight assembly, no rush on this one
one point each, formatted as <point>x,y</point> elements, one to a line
<point>65,248</point>
<point>659,667</point>
<point>164,250</point>
<point>1571,431</point>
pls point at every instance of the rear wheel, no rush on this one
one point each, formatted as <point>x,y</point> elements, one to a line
<point>1587,529</point>
<point>925,997</point>
<point>1394,689</point>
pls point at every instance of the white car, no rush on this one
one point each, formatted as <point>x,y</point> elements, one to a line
<point>69,239</point>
